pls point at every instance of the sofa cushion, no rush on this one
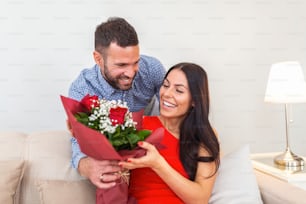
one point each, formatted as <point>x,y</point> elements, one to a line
<point>11,172</point>
<point>12,145</point>
<point>60,192</point>
<point>236,182</point>
<point>275,190</point>
<point>49,155</point>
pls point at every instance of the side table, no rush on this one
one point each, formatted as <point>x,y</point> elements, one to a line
<point>264,163</point>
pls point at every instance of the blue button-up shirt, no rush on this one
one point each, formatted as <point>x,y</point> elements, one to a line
<point>146,84</point>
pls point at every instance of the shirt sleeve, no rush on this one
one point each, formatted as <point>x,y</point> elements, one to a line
<point>77,155</point>
<point>77,88</point>
<point>158,73</point>
<point>75,92</point>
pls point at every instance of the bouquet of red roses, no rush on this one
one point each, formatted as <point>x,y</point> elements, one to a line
<point>106,130</point>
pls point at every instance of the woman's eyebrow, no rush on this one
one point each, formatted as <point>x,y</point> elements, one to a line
<point>178,85</point>
<point>181,85</point>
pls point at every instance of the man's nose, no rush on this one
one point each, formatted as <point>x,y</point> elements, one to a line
<point>131,71</point>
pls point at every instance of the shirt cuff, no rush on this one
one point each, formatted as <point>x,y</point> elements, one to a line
<point>77,155</point>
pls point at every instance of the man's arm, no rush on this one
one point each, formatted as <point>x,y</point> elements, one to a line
<point>157,74</point>
<point>76,153</point>
<point>158,78</point>
<point>103,174</point>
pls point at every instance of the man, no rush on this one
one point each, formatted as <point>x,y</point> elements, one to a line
<point>121,73</point>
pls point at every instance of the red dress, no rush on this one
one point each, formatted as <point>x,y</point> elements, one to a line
<point>145,185</point>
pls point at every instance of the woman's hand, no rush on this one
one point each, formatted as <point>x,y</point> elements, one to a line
<point>152,159</point>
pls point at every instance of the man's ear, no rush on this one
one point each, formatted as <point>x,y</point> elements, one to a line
<point>98,57</point>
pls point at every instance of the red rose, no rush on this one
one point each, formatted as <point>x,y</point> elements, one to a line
<point>90,101</point>
<point>117,115</point>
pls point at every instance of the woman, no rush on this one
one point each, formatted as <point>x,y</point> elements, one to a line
<point>185,170</point>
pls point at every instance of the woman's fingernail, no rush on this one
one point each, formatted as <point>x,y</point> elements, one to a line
<point>129,160</point>
<point>140,143</point>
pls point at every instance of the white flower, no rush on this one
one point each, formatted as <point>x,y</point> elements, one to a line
<point>101,114</point>
<point>120,129</point>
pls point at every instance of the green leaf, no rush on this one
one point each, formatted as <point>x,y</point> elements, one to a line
<point>82,118</point>
<point>143,134</point>
<point>133,139</point>
<point>120,139</point>
<point>119,144</point>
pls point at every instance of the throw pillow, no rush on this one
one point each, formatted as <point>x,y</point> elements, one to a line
<point>59,192</point>
<point>236,182</point>
<point>11,173</point>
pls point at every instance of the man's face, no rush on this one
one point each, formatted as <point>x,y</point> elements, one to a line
<point>120,65</point>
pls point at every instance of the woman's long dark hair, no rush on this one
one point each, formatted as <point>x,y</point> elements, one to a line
<point>195,129</point>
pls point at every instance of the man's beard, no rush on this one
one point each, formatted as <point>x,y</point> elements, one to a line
<point>114,81</point>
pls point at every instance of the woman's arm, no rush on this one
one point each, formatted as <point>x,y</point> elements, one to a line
<point>197,191</point>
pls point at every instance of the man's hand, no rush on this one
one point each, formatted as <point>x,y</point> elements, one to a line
<point>103,174</point>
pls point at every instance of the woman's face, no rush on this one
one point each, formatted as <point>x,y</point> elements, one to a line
<point>175,97</point>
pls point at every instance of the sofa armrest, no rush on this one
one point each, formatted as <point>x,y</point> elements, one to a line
<point>276,191</point>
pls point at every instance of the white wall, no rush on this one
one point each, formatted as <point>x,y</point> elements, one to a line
<point>45,43</point>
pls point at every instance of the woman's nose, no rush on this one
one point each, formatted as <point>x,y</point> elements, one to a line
<point>168,92</point>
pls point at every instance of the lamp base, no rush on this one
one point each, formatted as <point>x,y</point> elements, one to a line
<point>289,159</point>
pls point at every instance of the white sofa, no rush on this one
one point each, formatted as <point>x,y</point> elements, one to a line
<point>35,168</point>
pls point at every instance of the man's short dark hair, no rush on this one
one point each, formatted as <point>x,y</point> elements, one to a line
<point>115,30</point>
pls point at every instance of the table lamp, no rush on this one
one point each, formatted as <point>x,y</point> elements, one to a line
<point>286,85</point>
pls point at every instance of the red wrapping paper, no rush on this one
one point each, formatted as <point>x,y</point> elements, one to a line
<point>96,145</point>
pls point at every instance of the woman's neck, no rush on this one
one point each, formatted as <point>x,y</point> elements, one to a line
<point>172,125</point>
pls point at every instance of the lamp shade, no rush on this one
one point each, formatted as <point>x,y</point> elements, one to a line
<point>286,83</point>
